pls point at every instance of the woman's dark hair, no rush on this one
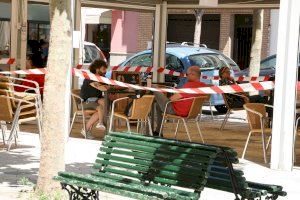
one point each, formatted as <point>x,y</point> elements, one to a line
<point>97,64</point>
<point>222,70</point>
<point>36,60</point>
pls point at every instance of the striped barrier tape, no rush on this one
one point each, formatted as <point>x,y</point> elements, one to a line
<point>7,61</point>
<point>180,74</point>
<point>246,87</point>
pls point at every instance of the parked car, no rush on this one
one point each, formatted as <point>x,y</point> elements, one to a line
<point>90,53</point>
<point>180,57</point>
<point>267,67</point>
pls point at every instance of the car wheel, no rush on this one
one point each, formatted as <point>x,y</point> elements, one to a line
<point>221,109</point>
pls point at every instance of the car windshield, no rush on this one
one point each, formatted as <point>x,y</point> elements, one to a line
<point>90,53</point>
<point>268,63</point>
<point>208,61</point>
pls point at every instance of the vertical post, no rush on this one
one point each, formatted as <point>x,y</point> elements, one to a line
<point>77,51</point>
<point>159,47</point>
<point>285,86</point>
<point>14,32</point>
<point>23,32</point>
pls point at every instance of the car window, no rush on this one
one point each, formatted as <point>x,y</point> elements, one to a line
<point>231,63</point>
<point>141,60</point>
<point>268,63</point>
<point>90,53</point>
<point>208,61</point>
<point>173,63</point>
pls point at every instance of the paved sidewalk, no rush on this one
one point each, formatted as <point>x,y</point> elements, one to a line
<point>23,161</point>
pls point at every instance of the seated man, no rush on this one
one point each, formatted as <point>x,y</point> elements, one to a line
<point>180,108</point>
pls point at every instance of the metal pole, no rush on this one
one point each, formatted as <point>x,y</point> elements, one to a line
<point>285,86</point>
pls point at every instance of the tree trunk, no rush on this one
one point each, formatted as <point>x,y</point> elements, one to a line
<point>255,56</point>
<point>197,34</point>
<point>56,96</point>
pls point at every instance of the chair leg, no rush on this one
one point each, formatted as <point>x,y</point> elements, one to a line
<point>137,126</point>
<point>176,130</point>
<point>3,132</point>
<point>150,127</point>
<point>12,135</point>
<point>72,123</point>
<point>269,140</point>
<point>264,146</point>
<point>225,120</point>
<point>111,121</point>
<point>161,126</point>
<point>199,131</point>
<point>84,127</point>
<point>128,125</point>
<point>38,121</point>
<point>187,130</point>
<point>211,111</point>
<point>246,145</point>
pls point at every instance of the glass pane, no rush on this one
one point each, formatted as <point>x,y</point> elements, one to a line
<point>208,61</point>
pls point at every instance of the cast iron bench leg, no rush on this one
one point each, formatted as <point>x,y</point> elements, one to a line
<point>80,193</point>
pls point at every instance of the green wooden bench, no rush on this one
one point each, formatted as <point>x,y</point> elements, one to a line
<point>143,167</point>
<point>223,177</point>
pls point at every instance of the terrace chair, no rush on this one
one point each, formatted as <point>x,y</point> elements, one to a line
<point>194,115</point>
<point>12,115</point>
<point>141,108</point>
<point>295,132</point>
<point>258,122</point>
<point>30,111</point>
<point>229,109</point>
<point>79,110</point>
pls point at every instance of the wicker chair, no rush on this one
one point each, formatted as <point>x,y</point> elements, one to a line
<point>194,115</point>
<point>141,108</point>
<point>14,115</point>
<point>258,122</point>
<point>79,110</point>
<point>229,109</point>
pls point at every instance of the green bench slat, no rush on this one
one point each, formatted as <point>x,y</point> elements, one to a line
<point>162,148</point>
<point>108,189</point>
<point>161,179</point>
<point>156,179</point>
<point>174,173</point>
<point>165,188</point>
<point>162,156</point>
<point>158,164</point>
<point>131,185</point>
<point>273,189</point>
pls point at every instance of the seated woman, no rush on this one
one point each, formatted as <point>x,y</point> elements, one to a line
<point>93,99</point>
<point>237,100</point>
<point>32,62</point>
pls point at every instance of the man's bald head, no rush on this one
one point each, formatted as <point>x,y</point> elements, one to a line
<point>193,73</point>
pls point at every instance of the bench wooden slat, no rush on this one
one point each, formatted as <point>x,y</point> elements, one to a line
<point>162,148</point>
<point>165,188</point>
<point>123,184</point>
<point>198,180</point>
<point>163,156</point>
<point>139,137</point>
<point>158,165</point>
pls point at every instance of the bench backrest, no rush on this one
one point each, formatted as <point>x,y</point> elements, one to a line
<point>156,160</point>
<point>221,177</point>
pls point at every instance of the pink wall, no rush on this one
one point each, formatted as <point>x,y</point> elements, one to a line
<point>124,28</point>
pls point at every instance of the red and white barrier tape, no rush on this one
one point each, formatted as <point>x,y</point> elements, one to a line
<point>7,61</point>
<point>174,73</point>
<point>246,87</point>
